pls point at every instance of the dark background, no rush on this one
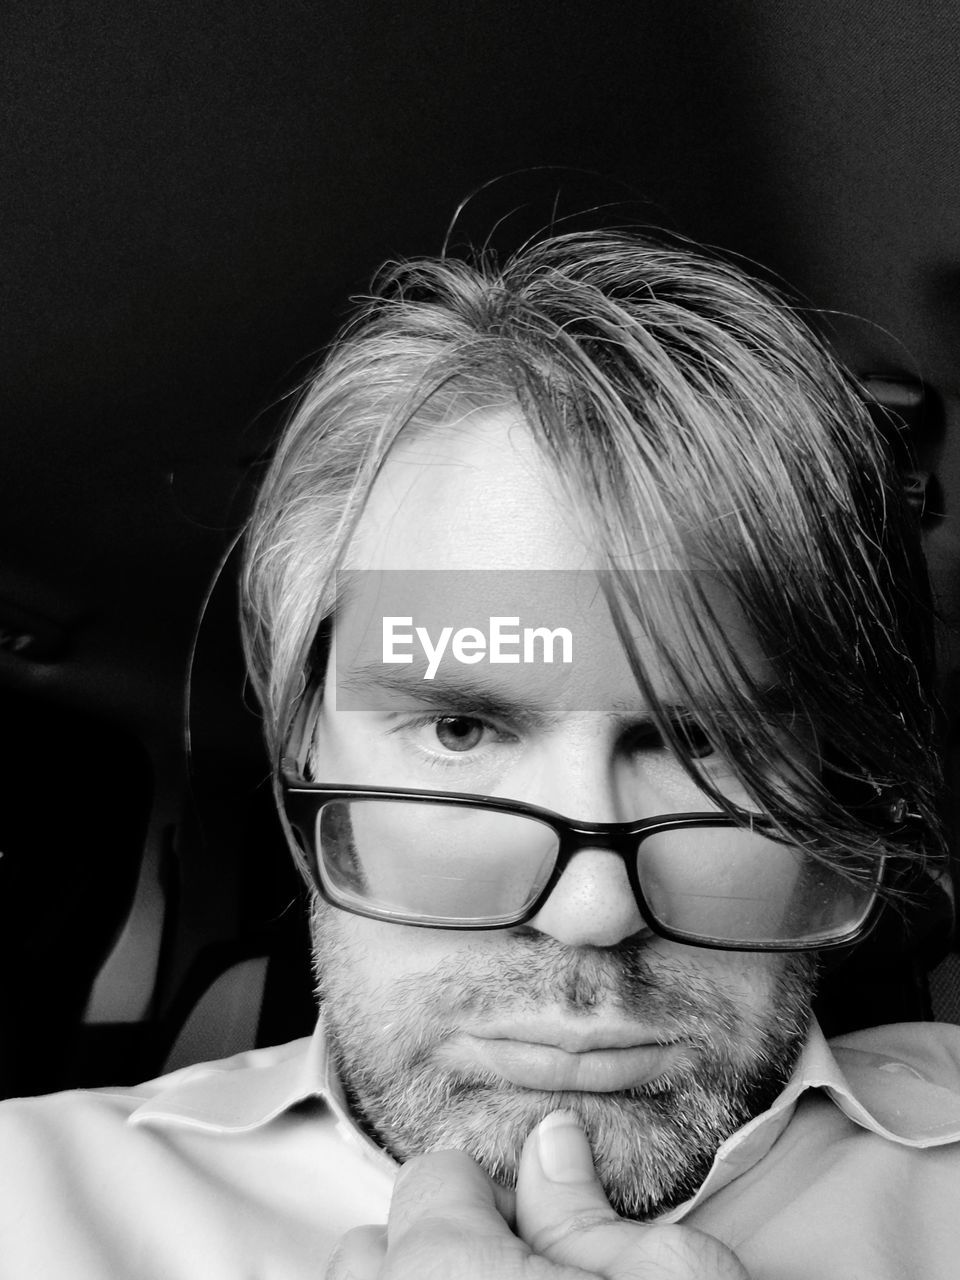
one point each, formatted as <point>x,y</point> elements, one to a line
<point>189,192</point>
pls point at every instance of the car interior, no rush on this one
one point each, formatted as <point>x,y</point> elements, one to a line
<point>191,194</point>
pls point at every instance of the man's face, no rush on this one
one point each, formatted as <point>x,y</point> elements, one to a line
<point>467,1039</point>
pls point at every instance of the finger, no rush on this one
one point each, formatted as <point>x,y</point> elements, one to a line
<point>505,1198</point>
<point>564,1215</point>
<point>444,1187</point>
<point>558,1192</point>
<point>359,1255</point>
<point>445,1222</point>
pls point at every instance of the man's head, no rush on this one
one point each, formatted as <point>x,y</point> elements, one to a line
<point>597,406</point>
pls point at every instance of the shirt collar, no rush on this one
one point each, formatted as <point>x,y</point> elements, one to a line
<point>242,1092</point>
<point>884,1080</point>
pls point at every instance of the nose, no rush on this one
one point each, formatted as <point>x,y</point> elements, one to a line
<point>593,903</point>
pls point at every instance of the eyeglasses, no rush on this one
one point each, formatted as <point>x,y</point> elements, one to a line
<point>446,860</point>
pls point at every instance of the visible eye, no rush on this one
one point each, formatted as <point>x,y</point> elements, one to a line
<point>693,738</point>
<point>459,733</point>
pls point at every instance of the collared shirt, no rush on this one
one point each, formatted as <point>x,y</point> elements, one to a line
<point>251,1168</point>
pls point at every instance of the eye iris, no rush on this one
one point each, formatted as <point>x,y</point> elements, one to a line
<point>459,733</point>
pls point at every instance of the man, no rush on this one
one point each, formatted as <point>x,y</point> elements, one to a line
<point>582,605</point>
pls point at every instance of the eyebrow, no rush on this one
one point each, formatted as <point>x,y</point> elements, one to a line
<point>467,694</point>
<point>470,694</point>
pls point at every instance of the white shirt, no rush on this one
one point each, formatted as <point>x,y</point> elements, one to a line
<point>251,1169</point>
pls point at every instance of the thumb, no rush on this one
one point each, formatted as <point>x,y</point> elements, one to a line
<point>359,1255</point>
<point>564,1215</point>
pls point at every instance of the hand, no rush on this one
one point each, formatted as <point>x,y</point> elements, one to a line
<point>449,1221</point>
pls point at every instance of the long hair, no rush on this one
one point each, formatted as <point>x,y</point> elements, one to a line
<point>682,405</point>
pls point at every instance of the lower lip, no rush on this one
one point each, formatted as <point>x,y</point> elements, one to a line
<point>530,1065</point>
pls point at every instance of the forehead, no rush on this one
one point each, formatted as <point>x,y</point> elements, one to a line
<point>473,523</point>
<point>476,495</point>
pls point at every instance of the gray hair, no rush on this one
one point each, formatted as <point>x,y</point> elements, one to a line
<point>676,397</point>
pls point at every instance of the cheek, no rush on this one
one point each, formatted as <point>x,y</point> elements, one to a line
<point>369,956</point>
<point>751,979</point>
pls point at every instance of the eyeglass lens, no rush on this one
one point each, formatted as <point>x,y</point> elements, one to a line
<point>460,865</point>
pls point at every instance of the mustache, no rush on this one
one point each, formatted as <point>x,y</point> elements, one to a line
<point>535,971</point>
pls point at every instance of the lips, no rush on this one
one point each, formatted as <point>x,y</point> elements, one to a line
<point>575,1037</point>
<point>559,1057</point>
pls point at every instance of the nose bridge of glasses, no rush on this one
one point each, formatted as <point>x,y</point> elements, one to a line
<point>620,838</point>
<point>605,879</point>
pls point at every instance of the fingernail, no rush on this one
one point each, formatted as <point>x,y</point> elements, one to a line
<point>564,1151</point>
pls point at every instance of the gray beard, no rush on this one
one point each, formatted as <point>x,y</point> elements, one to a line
<point>653,1145</point>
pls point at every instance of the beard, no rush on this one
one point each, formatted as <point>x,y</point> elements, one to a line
<point>653,1145</point>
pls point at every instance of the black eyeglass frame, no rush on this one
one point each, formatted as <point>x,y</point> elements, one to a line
<point>302,801</point>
